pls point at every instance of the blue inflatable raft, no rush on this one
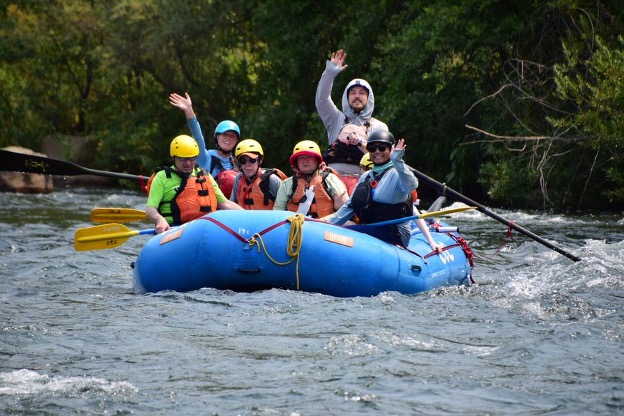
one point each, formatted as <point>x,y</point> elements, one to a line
<point>257,250</point>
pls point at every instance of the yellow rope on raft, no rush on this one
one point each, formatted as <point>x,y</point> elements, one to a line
<point>295,239</point>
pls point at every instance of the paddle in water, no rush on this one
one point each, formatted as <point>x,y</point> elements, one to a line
<point>442,189</point>
<point>106,236</point>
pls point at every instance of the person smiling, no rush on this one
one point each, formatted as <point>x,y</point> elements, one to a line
<point>181,192</point>
<point>310,173</point>
<point>254,188</point>
<point>383,193</point>
<point>358,104</point>
<point>226,136</point>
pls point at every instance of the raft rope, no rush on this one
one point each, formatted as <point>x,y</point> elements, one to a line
<point>460,242</point>
<point>295,241</point>
<point>508,236</point>
<point>293,249</point>
<point>464,246</point>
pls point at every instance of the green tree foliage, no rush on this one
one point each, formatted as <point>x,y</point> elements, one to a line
<point>435,62</point>
<point>160,47</point>
<point>300,36</point>
<point>596,86</point>
<point>545,148</point>
<point>520,100</point>
<point>52,53</point>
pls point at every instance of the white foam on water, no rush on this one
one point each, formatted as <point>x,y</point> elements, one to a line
<point>27,382</point>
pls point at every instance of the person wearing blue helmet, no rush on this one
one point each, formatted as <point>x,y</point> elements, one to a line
<point>226,137</point>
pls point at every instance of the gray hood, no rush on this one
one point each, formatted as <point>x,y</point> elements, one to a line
<point>367,113</point>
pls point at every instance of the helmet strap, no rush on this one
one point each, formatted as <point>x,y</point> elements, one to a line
<point>223,152</point>
<point>254,176</point>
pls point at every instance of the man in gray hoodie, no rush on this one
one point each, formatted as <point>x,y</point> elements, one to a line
<point>358,103</point>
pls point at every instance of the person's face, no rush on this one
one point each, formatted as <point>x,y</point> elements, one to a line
<point>307,164</point>
<point>184,164</point>
<point>379,152</point>
<point>249,164</point>
<point>227,140</point>
<point>358,98</point>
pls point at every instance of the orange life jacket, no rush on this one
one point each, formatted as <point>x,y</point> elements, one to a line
<point>414,194</point>
<point>323,203</point>
<point>194,198</point>
<point>255,195</point>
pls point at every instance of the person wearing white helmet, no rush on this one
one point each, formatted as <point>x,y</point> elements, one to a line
<point>226,137</point>
<point>358,104</point>
<point>181,192</point>
<point>313,185</point>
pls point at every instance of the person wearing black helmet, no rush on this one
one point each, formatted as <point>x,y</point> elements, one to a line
<point>383,193</point>
<point>226,136</point>
<point>358,104</point>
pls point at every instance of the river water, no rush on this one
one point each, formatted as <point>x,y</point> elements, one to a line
<point>539,334</point>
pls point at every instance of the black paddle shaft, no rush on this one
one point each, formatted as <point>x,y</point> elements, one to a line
<point>19,162</point>
<point>445,190</point>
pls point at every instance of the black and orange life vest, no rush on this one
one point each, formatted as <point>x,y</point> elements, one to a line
<point>194,198</point>
<point>323,203</point>
<point>255,194</point>
<point>370,211</point>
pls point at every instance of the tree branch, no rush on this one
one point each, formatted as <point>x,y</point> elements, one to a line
<point>499,138</point>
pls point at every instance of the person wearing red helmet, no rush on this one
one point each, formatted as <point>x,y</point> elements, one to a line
<point>328,192</point>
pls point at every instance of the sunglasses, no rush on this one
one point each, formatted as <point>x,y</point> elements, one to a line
<point>372,148</point>
<point>187,159</point>
<point>247,159</point>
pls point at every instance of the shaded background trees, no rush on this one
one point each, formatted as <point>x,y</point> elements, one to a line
<point>516,103</point>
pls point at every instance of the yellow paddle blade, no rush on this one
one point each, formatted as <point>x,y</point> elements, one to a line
<point>102,237</point>
<point>117,215</point>
<point>445,212</point>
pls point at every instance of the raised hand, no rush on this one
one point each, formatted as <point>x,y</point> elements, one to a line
<point>338,58</point>
<point>400,145</point>
<point>183,103</point>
